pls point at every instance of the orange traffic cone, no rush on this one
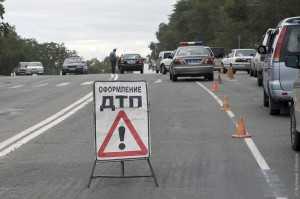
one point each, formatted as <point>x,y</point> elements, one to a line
<point>215,87</point>
<point>225,106</point>
<point>230,73</point>
<point>241,131</point>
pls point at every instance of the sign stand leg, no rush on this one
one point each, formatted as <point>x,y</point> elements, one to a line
<point>152,173</point>
<point>123,168</point>
<point>92,174</point>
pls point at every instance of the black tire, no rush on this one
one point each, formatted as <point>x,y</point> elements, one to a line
<point>63,73</point>
<point>174,78</point>
<point>163,69</point>
<point>224,70</point>
<point>248,71</point>
<point>142,71</point>
<point>157,71</point>
<point>274,108</point>
<point>259,82</point>
<point>171,76</point>
<point>121,71</point>
<point>295,135</point>
<point>251,73</point>
<point>266,99</point>
<point>210,77</point>
<point>255,73</point>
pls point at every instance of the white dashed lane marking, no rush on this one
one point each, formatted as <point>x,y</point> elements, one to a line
<point>17,86</point>
<point>63,84</point>
<point>87,83</point>
<point>40,85</point>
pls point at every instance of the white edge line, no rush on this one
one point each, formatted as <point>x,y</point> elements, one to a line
<point>250,143</point>
<point>42,123</point>
<point>116,77</point>
<point>43,129</point>
<point>211,93</point>
<point>230,114</point>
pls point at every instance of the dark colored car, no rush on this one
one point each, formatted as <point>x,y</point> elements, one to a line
<point>192,59</point>
<point>131,62</point>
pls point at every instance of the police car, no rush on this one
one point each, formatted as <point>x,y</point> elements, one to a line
<point>192,59</point>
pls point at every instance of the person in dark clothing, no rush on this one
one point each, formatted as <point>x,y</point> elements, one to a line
<point>113,60</point>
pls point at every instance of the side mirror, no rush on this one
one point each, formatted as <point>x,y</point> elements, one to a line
<point>262,50</point>
<point>292,61</point>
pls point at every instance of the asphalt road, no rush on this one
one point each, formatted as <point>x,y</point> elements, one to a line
<point>193,153</point>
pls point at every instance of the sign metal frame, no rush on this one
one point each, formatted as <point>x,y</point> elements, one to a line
<point>122,161</point>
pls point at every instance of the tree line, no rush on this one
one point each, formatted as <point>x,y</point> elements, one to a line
<point>222,23</point>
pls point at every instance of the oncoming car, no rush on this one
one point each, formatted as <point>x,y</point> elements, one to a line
<point>74,65</point>
<point>192,59</point>
<point>29,68</point>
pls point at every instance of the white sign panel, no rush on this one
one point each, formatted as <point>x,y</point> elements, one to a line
<point>122,123</point>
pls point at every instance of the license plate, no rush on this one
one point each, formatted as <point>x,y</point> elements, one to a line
<point>193,62</point>
<point>131,62</point>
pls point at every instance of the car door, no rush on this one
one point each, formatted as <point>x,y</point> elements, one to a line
<point>266,64</point>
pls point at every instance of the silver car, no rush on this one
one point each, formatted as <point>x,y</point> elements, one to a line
<point>278,79</point>
<point>29,68</point>
<point>192,59</point>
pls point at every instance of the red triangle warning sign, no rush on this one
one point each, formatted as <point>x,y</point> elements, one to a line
<point>123,152</point>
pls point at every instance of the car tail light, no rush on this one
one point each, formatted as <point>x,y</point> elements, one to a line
<point>279,45</point>
<point>209,61</point>
<point>140,61</point>
<point>179,61</point>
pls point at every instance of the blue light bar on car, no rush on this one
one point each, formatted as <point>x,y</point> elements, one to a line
<point>191,43</point>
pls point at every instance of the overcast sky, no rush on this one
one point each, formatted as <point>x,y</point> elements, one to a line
<point>92,27</point>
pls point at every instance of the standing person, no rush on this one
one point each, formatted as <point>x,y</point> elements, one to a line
<point>113,60</point>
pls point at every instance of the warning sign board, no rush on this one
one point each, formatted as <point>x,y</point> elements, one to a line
<point>121,120</point>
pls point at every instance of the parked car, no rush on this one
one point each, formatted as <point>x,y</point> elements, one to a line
<point>74,65</point>
<point>164,61</point>
<point>290,57</point>
<point>240,59</point>
<point>278,79</point>
<point>258,60</point>
<point>131,62</point>
<point>29,68</point>
<point>192,59</point>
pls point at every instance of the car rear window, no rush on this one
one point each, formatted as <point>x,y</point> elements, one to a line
<point>131,56</point>
<point>293,40</point>
<point>167,55</point>
<point>247,53</point>
<point>192,51</point>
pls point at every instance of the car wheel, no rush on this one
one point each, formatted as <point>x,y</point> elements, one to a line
<point>266,99</point>
<point>171,76</point>
<point>259,82</point>
<point>210,77</point>
<point>157,71</point>
<point>63,73</point>
<point>122,71</point>
<point>142,71</point>
<point>274,107</point>
<point>251,73</point>
<point>295,135</point>
<point>174,78</point>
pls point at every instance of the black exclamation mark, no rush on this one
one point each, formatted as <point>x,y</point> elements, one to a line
<point>122,146</point>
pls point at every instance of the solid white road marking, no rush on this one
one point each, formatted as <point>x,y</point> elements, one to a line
<point>63,84</point>
<point>256,153</point>
<point>158,81</point>
<point>40,131</point>
<point>231,114</point>
<point>262,163</point>
<point>17,86</point>
<point>211,93</point>
<point>87,83</point>
<point>27,135</point>
<point>116,77</point>
<point>44,122</point>
<point>40,85</point>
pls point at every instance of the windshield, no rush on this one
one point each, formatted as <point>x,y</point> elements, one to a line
<point>245,53</point>
<point>131,56</point>
<point>192,51</point>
